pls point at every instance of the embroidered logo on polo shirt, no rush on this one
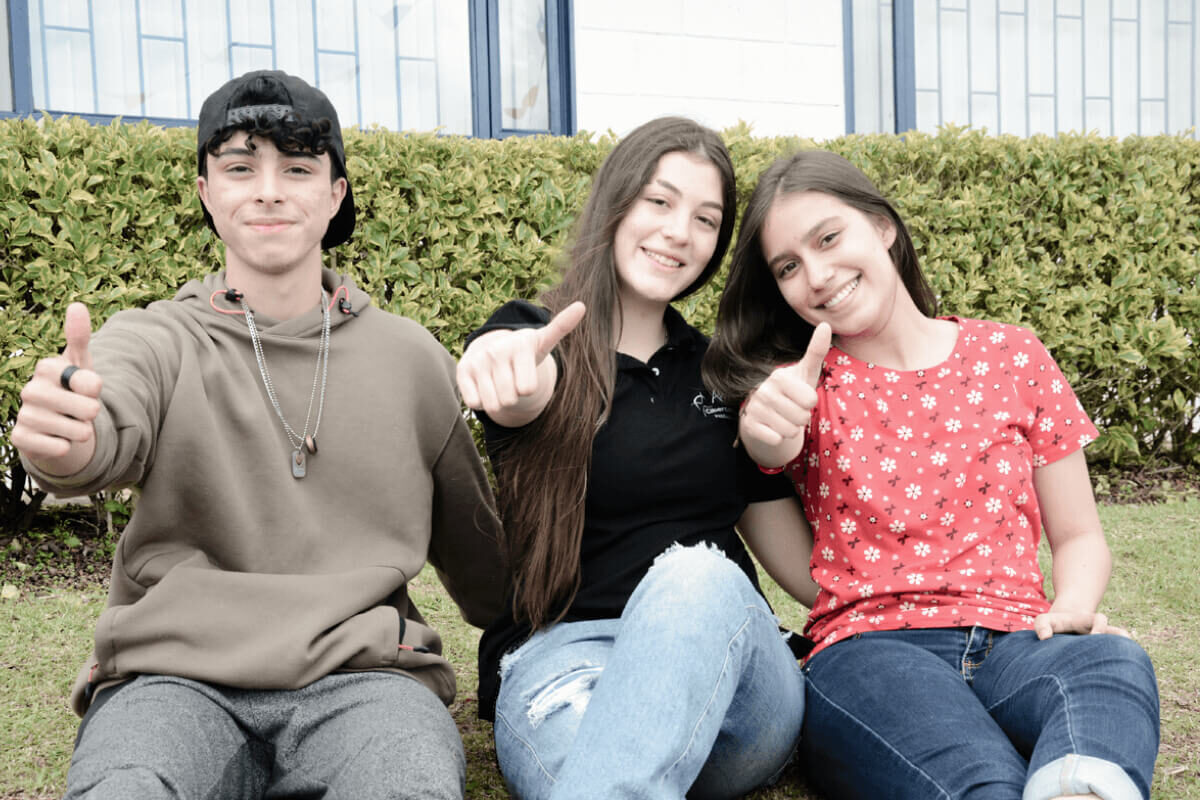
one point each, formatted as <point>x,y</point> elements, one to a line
<point>711,405</point>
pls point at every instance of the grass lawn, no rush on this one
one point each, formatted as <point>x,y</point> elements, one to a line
<point>46,632</point>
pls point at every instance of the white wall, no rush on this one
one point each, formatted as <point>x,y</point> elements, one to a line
<point>777,64</point>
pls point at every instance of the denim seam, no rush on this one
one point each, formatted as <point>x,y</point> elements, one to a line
<point>513,731</point>
<point>812,687</point>
<point>708,705</point>
<point>1062,693</point>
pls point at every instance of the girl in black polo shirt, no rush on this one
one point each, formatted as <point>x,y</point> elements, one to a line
<point>640,658</point>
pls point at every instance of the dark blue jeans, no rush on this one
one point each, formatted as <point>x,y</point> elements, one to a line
<point>972,713</point>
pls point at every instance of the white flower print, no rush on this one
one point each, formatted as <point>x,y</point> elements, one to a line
<point>887,464</point>
<point>1039,460</point>
<point>907,606</point>
<point>1046,424</point>
<point>1085,440</point>
<point>848,377</point>
<point>974,397</point>
<point>843,463</point>
<point>947,520</point>
<point>856,433</point>
<point>997,337</point>
<point>1003,467</point>
<point>961,480</point>
<point>953,425</point>
<point>891,377</point>
<point>882,406</point>
<point>992,505</point>
<point>928,401</point>
<point>1056,386</point>
<point>1020,548</point>
<point>904,433</point>
<point>1009,571</point>
<point>871,554</point>
<point>1023,520</point>
<point>875,620</point>
<point>929,612</point>
<point>896,527</point>
<point>969,571</point>
<point>938,458</point>
<point>866,590</point>
<point>913,491</point>
<point>1018,439</point>
<point>827,553</point>
<point>1020,359</point>
<point>1022,498</point>
<point>921,549</point>
<point>848,526</point>
<point>842,361</point>
<point>824,426</point>
<point>980,368</point>
<point>915,578</point>
<point>972,536</point>
<point>864,493</point>
<point>1002,416</point>
<point>984,550</point>
<point>823,490</point>
<point>857,616</point>
<point>813,459</point>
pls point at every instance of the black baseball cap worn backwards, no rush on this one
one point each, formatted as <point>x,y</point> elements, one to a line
<point>232,106</point>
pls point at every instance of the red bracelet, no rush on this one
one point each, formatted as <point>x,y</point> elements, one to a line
<point>771,470</point>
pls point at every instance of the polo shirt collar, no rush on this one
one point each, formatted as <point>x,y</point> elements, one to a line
<point>679,333</point>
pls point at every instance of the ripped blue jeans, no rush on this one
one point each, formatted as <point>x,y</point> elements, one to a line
<point>692,691</point>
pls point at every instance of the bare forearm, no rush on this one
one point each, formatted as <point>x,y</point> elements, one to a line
<point>1081,568</point>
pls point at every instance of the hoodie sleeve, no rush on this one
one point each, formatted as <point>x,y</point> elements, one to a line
<point>464,546</point>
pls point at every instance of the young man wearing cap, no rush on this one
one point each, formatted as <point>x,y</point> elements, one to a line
<point>300,455</point>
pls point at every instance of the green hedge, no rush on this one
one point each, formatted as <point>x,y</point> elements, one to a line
<point>1092,242</point>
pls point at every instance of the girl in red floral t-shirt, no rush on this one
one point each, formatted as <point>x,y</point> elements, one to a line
<point>930,453</point>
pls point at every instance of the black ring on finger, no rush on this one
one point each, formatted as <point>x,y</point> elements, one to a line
<point>65,377</point>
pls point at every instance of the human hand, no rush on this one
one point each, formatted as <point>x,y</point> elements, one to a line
<point>1052,622</point>
<point>776,414</point>
<point>507,372</point>
<point>54,428</point>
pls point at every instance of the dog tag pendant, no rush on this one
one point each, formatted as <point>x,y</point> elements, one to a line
<point>299,464</point>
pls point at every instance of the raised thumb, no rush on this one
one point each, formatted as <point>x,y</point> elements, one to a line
<point>78,329</point>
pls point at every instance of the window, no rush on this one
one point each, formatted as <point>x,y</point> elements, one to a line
<point>1119,67</point>
<point>399,64</point>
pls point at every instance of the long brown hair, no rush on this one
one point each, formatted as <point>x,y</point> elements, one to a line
<point>543,474</point>
<point>756,329</point>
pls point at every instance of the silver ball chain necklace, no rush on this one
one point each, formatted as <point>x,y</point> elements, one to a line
<point>303,443</point>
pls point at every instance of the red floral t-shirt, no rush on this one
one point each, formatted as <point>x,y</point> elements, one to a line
<point>919,485</point>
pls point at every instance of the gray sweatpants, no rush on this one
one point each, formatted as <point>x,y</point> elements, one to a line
<point>354,735</point>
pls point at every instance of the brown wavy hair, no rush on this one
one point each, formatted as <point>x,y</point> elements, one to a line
<point>756,329</point>
<point>543,474</point>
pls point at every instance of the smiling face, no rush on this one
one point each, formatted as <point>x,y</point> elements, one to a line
<point>668,236</point>
<point>270,208</point>
<point>831,264</point>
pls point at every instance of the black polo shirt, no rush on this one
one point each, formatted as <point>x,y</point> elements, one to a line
<point>664,471</point>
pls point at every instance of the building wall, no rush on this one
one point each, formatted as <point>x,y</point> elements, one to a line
<point>776,64</point>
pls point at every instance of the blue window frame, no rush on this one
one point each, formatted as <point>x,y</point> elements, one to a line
<point>485,52</point>
<point>483,30</point>
<point>1024,67</point>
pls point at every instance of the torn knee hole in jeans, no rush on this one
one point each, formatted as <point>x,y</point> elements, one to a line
<point>570,690</point>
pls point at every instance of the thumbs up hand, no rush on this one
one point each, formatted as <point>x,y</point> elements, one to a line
<point>54,428</point>
<point>776,414</point>
<point>507,373</point>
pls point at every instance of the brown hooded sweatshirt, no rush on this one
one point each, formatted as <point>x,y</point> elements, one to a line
<point>231,570</point>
